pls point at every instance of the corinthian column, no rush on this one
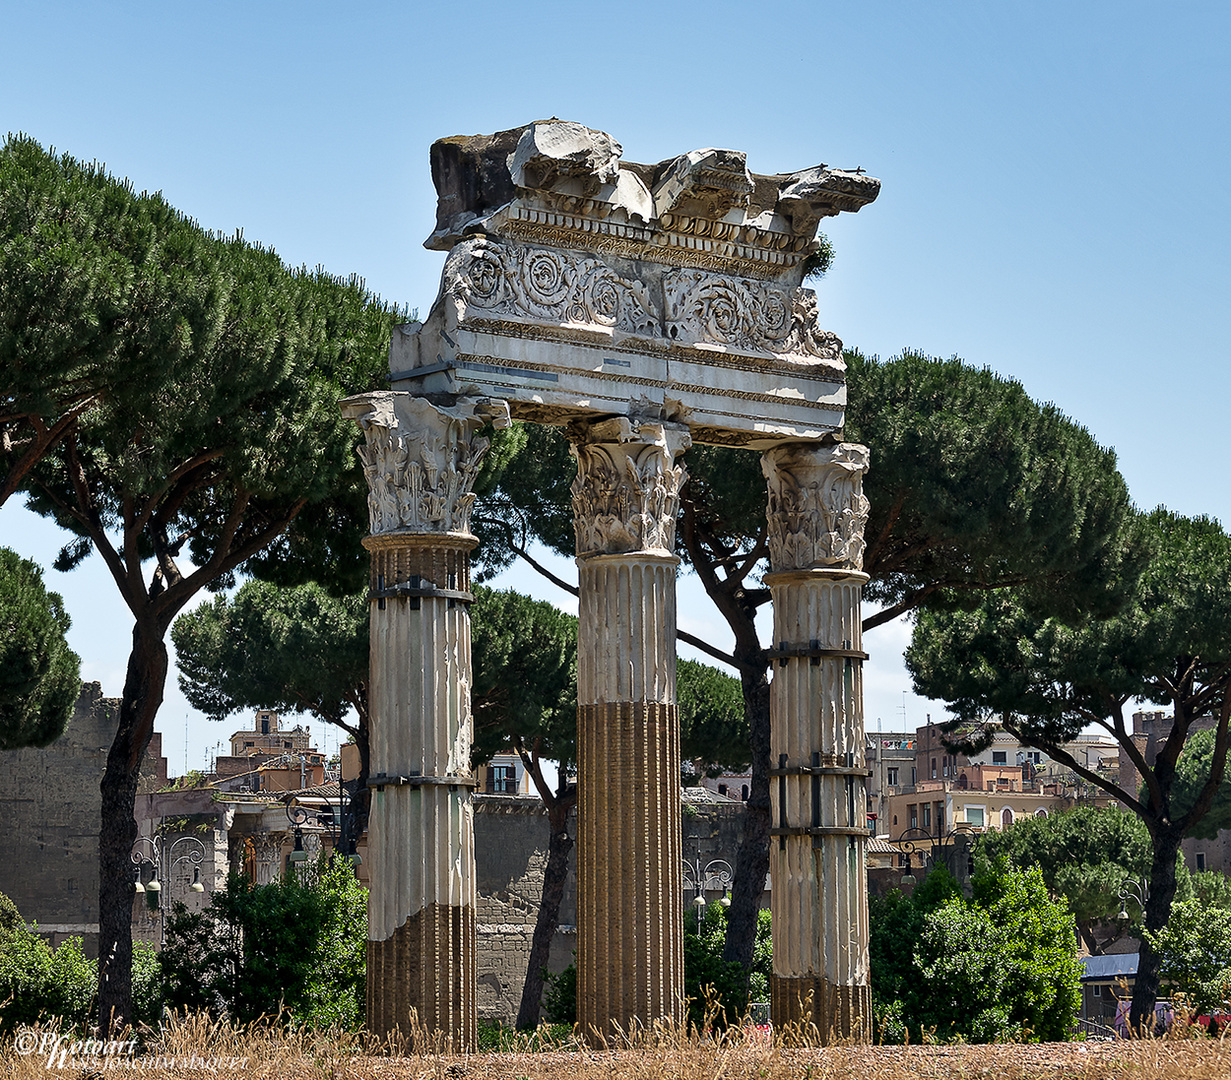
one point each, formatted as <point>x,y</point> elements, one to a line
<point>817,513</point>
<point>630,954</point>
<point>420,461</point>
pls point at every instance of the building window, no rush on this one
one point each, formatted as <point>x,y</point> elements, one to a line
<point>927,815</point>
<point>933,768</point>
<point>914,776</point>
<point>722,789</point>
<point>892,775</point>
<point>264,725</point>
<point>1006,817</point>
<point>1000,757</point>
<point>502,780</point>
<point>913,814</point>
<point>940,818</point>
<point>248,745</point>
<point>743,792</point>
<point>1200,860</point>
<point>974,816</point>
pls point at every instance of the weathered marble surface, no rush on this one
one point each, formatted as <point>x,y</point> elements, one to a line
<point>579,284</point>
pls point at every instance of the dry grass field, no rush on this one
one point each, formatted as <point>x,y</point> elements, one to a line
<point>197,1049</point>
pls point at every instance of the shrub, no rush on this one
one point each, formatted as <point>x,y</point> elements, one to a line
<point>293,944</point>
<point>38,983</point>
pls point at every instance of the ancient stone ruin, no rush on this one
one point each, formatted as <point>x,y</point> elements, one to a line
<point>643,307</point>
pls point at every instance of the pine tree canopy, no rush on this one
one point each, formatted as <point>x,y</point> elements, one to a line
<point>39,673</point>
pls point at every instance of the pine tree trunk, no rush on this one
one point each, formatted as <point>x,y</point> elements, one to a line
<point>559,847</point>
<point>1157,912</point>
<point>143,691</point>
<point>752,859</point>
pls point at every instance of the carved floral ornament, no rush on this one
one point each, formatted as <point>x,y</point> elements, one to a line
<point>817,509</point>
<point>627,490</point>
<point>486,277</point>
<point>421,460</point>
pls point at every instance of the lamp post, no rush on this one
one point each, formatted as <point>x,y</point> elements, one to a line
<point>1137,891</point>
<point>162,859</point>
<point>932,847</point>
<point>717,874</point>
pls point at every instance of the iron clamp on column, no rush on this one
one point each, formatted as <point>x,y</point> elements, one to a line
<point>815,653</point>
<point>415,589</point>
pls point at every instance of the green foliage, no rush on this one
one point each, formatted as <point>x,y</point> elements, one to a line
<point>1084,855</point>
<point>524,684</point>
<point>1212,889</point>
<point>39,674</point>
<point>256,950</point>
<point>295,649</point>
<point>1195,952</point>
<point>147,985</point>
<point>712,983</point>
<point>41,984</point>
<point>560,1000</point>
<point>974,486</point>
<point>1002,965</point>
<point>1191,773</point>
<point>713,726</point>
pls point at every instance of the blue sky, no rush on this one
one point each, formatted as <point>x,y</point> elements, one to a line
<point>1054,200</point>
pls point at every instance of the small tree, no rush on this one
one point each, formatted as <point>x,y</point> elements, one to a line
<point>256,950</point>
<point>1194,951</point>
<point>1004,665</point>
<point>1002,965</point>
<point>1085,855</point>
<point>39,674</point>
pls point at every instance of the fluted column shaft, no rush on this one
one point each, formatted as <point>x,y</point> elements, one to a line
<point>630,956</point>
<point>420,460</point>
<point>817,513</point>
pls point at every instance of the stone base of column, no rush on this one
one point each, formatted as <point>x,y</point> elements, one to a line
<point>407,999</point>
<point>630,949</point>
<point>813,1009</point>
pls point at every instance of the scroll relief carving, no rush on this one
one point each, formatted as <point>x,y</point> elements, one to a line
<point>626,494</point>
<point>817,509</point>
<point>547,286</point>
<point>695,307</point>
<point>750,316</point>
<point>421,462</point>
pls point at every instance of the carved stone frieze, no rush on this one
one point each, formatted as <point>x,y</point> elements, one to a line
<point>751,316</point>
<point>420,459</point>
<point>627,490</point>
<point>490,278</point>
<point>543,285</point>
<point>817,509</point>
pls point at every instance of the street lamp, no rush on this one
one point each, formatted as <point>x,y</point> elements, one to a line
<point>1137,891</point>
<point>164,857</point>
<point>931,847</point>
<point>298,817</point>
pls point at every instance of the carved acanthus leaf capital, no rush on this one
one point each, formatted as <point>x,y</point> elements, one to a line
<point>817,509</point>
<point>627,490</point>
<point>420,459</point>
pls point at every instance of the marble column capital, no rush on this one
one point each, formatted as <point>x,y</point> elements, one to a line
<point>626,493</point>
<point>817,510</point>
<point>421,459</point>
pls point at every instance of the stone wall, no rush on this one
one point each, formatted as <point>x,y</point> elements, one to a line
<point>510,833</point>
<point>50,803</point>
<point>510,836</point>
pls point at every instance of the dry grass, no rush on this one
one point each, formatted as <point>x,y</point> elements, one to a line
<point>196,1048</point>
